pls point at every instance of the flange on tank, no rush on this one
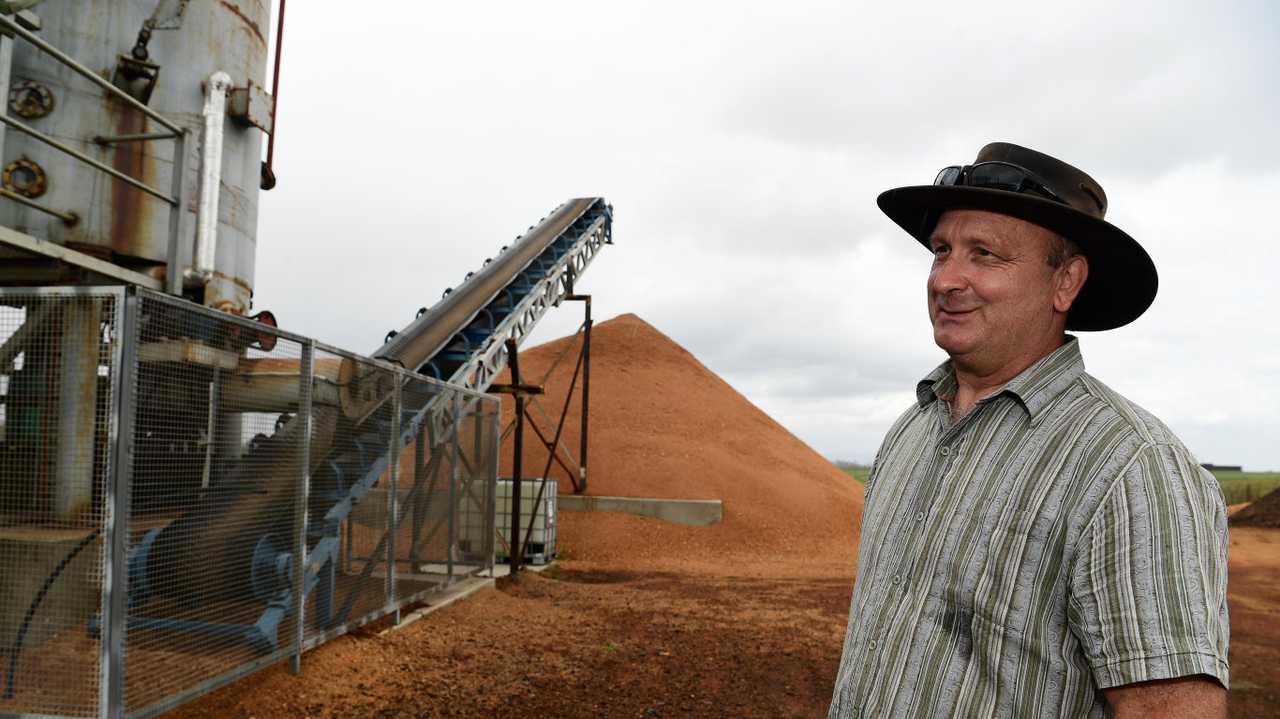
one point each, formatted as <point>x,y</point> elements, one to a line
<point>201,65</point>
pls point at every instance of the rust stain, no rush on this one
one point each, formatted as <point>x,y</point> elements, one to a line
<point>129,209</point>
<point>244,18</point>
<point>234,280</point>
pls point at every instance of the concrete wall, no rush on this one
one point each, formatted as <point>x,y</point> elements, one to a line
<point>693,512</point>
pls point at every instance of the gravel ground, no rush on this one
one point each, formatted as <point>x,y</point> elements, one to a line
<point>648,619</point>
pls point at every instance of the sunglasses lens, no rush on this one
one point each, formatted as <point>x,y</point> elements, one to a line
<point>948,176</point>
<point>999,176</point>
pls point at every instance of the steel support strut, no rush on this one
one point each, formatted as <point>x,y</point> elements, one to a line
<point>513,360</point>
<point>515,553</point>
<point>580,485</point>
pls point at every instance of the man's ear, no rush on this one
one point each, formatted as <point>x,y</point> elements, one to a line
<point>1068,280</point>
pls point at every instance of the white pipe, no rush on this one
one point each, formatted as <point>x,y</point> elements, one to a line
<point>215,108</point>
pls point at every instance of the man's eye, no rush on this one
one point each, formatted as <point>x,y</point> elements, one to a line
<point>983,252</point>
<point>940,250</point>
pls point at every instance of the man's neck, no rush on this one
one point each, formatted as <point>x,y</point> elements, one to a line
<point>973,382</point>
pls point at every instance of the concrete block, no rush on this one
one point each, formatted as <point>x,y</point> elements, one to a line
<point>693,512</point>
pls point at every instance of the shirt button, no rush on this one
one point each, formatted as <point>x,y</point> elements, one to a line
<point>946,451</point>
<point>897,579</point>
<point>872,644</point>
<point>919,516</point>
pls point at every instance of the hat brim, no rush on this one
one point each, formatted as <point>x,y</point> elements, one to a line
<point>1122,279</point>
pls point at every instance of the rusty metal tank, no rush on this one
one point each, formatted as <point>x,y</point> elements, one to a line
<point>183,44</point>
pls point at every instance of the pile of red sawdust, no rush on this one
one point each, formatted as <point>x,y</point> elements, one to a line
<point>664,426</point>
<point>1264,512</point>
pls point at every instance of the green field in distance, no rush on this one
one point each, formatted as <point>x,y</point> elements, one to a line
<point>1237,487</point>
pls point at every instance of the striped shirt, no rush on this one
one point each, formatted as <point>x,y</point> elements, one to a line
<point>1055,541</point>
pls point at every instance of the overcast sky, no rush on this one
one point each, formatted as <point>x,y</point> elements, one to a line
<point>742,147</point>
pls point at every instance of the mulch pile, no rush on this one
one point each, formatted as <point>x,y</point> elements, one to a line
<point>662,425</point>
<point>1264,512</point>
<point>641,617</point>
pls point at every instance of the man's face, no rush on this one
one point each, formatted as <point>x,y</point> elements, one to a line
<point>991,289</point>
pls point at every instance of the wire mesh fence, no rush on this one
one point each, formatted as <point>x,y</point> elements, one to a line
<point>187,496</point>
<point>59,361</point>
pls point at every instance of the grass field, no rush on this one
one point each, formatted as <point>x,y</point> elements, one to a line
<point>1240,487</point>
<point>1237,487</point>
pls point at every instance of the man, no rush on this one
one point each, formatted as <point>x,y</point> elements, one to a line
<point>1033,544</point>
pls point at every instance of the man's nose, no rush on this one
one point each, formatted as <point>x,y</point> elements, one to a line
<point>948,274</point>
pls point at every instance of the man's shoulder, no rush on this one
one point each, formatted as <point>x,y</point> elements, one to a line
<point>1113,406</point>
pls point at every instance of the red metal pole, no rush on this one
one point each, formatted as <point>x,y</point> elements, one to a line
<point>268,173</point>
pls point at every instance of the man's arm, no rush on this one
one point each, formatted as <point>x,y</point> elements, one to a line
<point>1197,697</point>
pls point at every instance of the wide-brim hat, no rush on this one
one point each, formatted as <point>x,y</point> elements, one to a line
<point>1122,278</point>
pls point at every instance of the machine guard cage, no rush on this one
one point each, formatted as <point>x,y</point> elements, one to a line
<point>187,496</point>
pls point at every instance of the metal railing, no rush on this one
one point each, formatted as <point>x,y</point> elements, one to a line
<point>188,496</point>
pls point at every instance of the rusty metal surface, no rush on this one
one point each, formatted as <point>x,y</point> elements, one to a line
<point>24,177</point>
<point>213,35</point>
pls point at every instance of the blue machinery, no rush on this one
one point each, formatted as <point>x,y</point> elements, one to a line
<point>462,340</point>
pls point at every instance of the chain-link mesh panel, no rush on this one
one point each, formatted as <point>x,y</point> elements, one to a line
<point>254,476</point>
<point>446,472</point>
<point>215,498</point>
<point>477,469</point>
<point>58,378</point>
<point>422,536</point>
<point>355,420</point>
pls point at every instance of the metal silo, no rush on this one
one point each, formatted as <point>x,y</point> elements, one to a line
<point>199,66</point>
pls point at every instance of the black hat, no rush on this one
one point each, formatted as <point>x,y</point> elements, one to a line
<point>1048,192</point>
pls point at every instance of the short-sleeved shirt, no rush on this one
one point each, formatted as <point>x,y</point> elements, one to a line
<point>1056,541</point>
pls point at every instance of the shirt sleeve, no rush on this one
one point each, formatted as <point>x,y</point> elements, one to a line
<point>1148,589</point>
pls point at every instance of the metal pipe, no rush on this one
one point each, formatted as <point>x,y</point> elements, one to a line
<point>273,384</point>
<point>136,137</point>
<point>32,132</point>
<point>177,216</point>
<point>432,331</point>
<point>214,113</point>
<point>16,6</point>
<point>12,26</point>
<point>268,169</point>
<point>69,218</point>
<point>6,71</point>
<point>81,337</point>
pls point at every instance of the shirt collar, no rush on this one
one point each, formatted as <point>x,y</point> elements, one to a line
<point>1034,388</point>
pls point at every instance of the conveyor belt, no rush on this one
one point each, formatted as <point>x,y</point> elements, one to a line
<point>459,340</point>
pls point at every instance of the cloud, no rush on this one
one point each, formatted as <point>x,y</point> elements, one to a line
<point>743,152</point>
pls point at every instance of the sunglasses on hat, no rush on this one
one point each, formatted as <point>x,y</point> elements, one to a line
<point>996,175</point>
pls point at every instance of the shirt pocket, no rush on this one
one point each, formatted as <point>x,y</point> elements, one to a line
<point>1018,568</point>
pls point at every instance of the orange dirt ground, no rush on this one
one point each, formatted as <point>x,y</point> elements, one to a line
<point>641,618</point>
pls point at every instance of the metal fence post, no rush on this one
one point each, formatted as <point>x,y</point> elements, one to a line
<point>177,215</point>
<point>451,539</point>
<point>306,380</point>
<point>393,471</point>
<point>480,473</point>
<point>491,479</point>
<point>115,575</point>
